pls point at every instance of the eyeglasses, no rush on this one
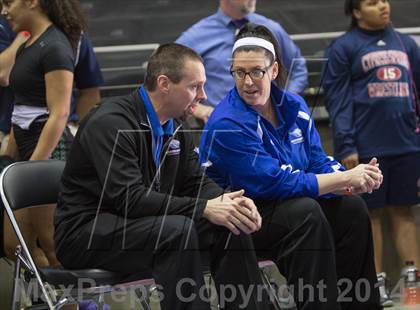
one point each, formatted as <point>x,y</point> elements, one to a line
<point>255,74</point>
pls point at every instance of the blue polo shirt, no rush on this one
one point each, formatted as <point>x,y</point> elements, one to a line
<point>158,130</point>
<point>213,38</point>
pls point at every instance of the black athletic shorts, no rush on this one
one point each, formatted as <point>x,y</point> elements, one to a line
<point>27,139</point>
<point>401,184</point>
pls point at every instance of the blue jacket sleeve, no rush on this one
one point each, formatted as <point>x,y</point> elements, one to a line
<point>237,157</point>
<point>292,59</point>
<point>338,100</point>
<point>319,162</point>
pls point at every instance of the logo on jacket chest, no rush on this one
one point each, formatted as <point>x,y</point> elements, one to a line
<point>388,73</point>
<point>174,148</point>
<point>296,136</point>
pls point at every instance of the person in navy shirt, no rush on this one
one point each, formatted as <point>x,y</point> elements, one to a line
<point>7,36</point>
<point>213,38</point>
<point>261,138</point>
<point>372,82</point>
<point>87,80</point>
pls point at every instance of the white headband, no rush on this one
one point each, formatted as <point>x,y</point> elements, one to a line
<point>253,41</point>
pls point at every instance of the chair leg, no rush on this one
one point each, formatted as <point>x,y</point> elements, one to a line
<point>24,248</point>
<point>144,299</point>
<point>271,290</point>
<point>214,302</point>
<point>66,304</point>
<point>16,281</point>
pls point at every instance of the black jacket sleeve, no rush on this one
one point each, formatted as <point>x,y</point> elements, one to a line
<point>194,182</point>
<point>111,142</point>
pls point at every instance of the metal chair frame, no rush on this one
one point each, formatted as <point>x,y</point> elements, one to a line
<point>47,169</point>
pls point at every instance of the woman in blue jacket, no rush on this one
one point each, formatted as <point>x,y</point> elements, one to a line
<point>261,138</point>
<point>372,81</point>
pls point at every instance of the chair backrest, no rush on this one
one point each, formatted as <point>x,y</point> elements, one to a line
<point>31,183</point>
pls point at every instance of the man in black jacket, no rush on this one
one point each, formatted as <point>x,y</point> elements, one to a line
<point>134,197</point>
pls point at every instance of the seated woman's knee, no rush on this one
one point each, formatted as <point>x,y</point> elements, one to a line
<point>306,209</point>
<point>355,207</point>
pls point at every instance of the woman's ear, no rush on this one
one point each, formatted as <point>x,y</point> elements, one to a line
<point>275,70</point>
<point>357,14</point>
<point>32,3</point>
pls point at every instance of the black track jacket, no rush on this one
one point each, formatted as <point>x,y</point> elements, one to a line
<point>111,167</point>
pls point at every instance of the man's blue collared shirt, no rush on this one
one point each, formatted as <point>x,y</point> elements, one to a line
<point>158,130</point>
<point>213,38</point>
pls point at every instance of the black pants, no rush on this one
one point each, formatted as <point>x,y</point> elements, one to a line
<point>317,243</point>
<point>171,247</point>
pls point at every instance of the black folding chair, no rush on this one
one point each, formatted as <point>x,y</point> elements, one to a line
<point>36,183</point>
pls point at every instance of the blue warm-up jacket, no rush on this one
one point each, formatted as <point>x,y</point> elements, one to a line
<point>242,150</point>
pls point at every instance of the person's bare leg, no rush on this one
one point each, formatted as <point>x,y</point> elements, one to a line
<point>42,219</point>
<point>404,233</point>
<point>375,217</point>
<point>11,241</point>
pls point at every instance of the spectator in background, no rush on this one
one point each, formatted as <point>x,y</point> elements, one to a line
<point>87,80</point>
<point>41,78</point>
<point>7,36</point>
<point>213,38</point>
<point>372,79</point>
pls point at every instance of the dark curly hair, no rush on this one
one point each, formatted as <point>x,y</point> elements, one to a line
<point>67,16</point>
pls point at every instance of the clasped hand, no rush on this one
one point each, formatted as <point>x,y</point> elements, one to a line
<point>365,178</point>
<point>234,211</point>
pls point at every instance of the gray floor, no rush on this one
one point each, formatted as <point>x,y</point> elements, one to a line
<point>6,276</point>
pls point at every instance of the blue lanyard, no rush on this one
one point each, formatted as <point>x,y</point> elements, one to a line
<point>157,144</point>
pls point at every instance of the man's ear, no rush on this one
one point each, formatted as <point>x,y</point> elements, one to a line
<point>163,83</point>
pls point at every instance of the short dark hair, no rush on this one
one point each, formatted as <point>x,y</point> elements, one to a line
<point>169,59</point>
<point>259,31</point>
